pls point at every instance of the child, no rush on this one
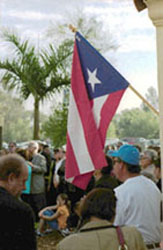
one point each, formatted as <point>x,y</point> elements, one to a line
<point>56,220</point>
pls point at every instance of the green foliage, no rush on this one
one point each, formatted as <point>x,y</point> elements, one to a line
<point>35,73</point>
<point>137,123</point>
<point>55,128</point>
<point>129,123</point>
<point>15,120</point>
<point>152,98</point>
<point>111,133</point>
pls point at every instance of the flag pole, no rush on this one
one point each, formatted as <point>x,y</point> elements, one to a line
<point>74,30</point>
<point>143,99</point>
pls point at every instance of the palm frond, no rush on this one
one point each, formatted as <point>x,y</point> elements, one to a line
<point>37,74</point>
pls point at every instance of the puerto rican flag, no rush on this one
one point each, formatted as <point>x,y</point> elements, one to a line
<point>96,90</point>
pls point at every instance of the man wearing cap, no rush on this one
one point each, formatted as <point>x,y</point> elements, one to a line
<point>138,198</point>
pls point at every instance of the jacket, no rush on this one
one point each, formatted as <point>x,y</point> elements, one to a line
<point>102,239</point>
<point>38,171</point>
<point>17,223</point>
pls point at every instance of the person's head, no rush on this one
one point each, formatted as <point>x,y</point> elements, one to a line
<point>119,144</point>
<point>156,148</point>
<point>59,154</point>
<point>99,203</point>
<point>46,149</point>
<point>13,173</point>
<point>33,147</point>
<point>105,170</point>
<point>40,146</point>
<point>62,153</point>
<point>12,147</point>
<point>56,154</point>
<point>62,199</point>
<point>126,162</point>
<point>23,152</point>
<point>147,158</point>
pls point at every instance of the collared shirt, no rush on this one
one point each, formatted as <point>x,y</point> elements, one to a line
<point>57,167</point>
<point>138,204</point>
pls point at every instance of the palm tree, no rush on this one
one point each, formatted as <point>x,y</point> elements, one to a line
<point>35,73</point>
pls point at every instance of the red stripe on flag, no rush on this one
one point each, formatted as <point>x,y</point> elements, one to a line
<point>108,111</point>
<point>82,181</point>
<point>92,137</point>
<point>72,169</point>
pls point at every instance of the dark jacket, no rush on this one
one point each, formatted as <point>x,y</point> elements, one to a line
<point>16,224</point>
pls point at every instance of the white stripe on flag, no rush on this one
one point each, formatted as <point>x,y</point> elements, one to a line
<point>97,106</point>
<point>77,138</point>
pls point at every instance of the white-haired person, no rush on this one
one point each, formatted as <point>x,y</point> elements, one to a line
<point>147,163</point>
<point>38,165</point>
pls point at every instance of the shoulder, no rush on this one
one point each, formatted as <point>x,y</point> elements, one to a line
<point>62,209</point>
<point>13,206</point>
<point>39,156</point>
<point>7,200</point>
<point>26,207</point>
<point>132,183</point>
<point>121,189</point>
<point>39,159</point>
<point>69,242</point>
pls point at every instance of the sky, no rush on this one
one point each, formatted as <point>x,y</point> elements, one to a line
<point>134,32</point>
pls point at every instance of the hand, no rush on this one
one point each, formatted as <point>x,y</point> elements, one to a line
<point>30,164</point>
<point>41,212</point>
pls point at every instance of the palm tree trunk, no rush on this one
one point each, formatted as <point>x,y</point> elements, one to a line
<point>36,119</point>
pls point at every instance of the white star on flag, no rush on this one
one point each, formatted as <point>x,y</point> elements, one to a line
<point>92,79</point>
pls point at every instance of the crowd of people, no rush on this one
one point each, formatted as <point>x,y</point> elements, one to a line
<point>120,207</point>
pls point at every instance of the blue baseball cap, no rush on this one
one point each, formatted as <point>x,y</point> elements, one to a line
<point>128,154</point>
